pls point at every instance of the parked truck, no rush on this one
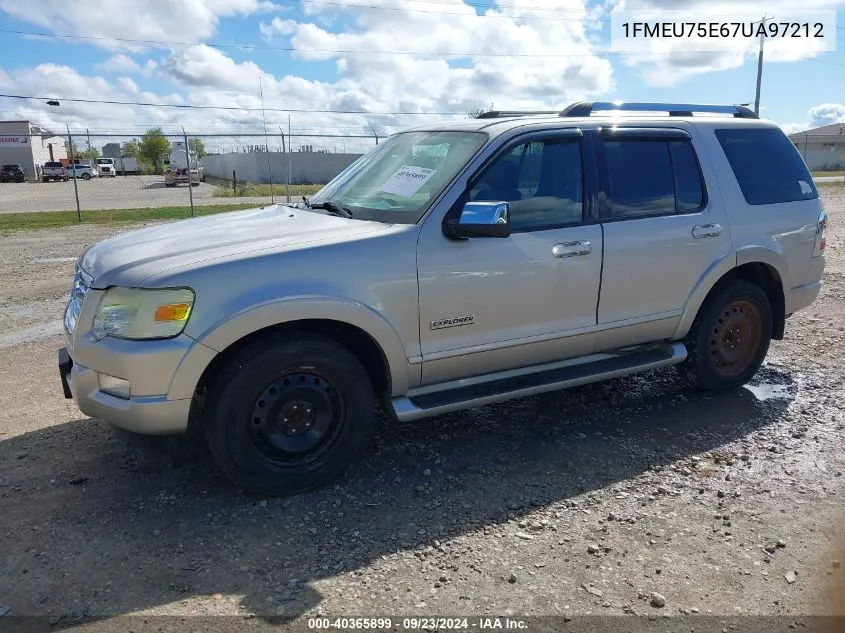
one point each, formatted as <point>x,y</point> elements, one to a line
<point>129,165</point>
<point>183,161</point>
<point>107,167</point>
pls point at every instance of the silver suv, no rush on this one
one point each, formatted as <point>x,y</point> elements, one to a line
<point>454,265</point>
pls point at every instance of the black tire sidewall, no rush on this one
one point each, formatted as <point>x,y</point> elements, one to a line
<point>228,425</point>
<point>700,363</point>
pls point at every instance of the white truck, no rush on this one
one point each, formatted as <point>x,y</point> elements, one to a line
<point>181,162</point>
<point>129,165</point>
<point>107,167</point>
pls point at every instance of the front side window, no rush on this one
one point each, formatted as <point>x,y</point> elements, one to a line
<point>399,179</point>
<point>541,180</point>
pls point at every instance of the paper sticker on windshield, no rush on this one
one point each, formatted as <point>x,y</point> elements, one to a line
<point>407,180</point>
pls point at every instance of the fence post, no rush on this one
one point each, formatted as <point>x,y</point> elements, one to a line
<point>289,159</point>
<point>75,187</point>
<point>188,169</point>
<point>234,183</point>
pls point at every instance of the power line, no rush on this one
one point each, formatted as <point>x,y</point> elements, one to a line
<point>291,49</point>
<point>480,5</point>
<point>236,108</point>
<point>415,10</point>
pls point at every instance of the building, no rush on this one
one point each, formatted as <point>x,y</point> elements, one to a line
<point>30,146</point>
<point>112,150</point>
<point>823,148</point>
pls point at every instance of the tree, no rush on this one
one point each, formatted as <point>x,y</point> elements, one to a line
<point>196,146</point>
<point>130,149</point>
<point>153,147</point>
<point>91,154</point>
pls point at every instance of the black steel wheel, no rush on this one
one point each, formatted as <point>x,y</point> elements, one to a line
<point>296,418</point>
<point>730,337</point>
<point>288,413</point>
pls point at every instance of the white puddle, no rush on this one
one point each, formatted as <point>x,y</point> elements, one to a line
<point>27,335</point>
<point>769,391</point>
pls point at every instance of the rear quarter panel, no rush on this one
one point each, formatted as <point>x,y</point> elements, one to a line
<point>781,235</point>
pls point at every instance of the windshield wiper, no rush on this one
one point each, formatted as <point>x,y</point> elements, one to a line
<point>332,207</point>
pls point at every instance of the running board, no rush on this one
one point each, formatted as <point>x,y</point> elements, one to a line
<point>460,395</point>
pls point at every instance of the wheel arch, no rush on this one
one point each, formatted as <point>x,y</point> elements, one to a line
<point>361,330</point>
<point>765,272</point>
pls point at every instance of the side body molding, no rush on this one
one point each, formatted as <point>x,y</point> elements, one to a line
<point>296,308</point>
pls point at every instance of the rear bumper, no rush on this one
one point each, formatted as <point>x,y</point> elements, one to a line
<point>802,296</point>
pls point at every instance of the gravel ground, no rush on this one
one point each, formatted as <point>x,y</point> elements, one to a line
<point>589,501</point>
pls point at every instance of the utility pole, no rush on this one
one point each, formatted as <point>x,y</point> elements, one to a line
<point>760,66</point>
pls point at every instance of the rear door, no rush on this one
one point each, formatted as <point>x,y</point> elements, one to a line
<point>663,229</point>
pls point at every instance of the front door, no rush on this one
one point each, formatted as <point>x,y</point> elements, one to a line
<point>490,304</point>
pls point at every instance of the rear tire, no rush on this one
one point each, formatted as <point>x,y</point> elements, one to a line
<point>729,339</point>
<point>86,176</point>
<point>289,414</point>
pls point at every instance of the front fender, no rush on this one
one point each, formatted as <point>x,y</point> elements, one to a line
<point>276,312</point>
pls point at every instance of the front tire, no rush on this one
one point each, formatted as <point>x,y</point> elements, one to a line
<point>730,338</point>
<point>289,414</point>
<point>86,176</point>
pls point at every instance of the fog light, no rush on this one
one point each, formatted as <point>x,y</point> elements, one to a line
<point>117,387</point>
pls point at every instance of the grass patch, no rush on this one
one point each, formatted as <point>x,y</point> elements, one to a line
<point>252,189</point>
<point>56,219</point>
<point>822,174</point>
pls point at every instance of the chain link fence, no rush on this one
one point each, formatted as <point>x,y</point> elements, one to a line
<point>78,172</point>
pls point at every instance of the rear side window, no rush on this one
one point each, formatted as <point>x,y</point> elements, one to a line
<point>767,166</point>
<point>653,177</point>
<point>689,194</point>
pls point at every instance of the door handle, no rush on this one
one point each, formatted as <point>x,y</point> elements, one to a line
<point>572,249</point>
<point>700,231</point>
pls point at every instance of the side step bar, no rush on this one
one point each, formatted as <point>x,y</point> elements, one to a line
<point>463,396</point>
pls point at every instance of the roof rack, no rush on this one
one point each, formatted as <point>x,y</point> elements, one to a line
<point>586,108</point>
<point>501,114</point>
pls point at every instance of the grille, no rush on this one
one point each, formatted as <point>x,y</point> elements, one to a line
<point>81,283</point>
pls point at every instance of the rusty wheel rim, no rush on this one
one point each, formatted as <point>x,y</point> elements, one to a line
<point>736,338</point>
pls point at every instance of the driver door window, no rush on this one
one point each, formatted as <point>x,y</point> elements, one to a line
<point>541,180</point>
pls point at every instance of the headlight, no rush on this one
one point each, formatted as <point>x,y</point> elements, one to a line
<point>138,313</point>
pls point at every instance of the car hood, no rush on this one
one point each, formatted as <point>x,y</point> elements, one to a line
<point>131,258</point>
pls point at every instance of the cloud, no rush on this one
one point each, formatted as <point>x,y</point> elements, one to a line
<point>277,26</point>
<point>128,85</point>
<point>162,20</point>
<point>119,64</point>
<point>414,57</point>
<point>206,66</point>
<point>826,114</point>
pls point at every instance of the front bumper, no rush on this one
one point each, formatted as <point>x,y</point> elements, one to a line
<point>150,415</point>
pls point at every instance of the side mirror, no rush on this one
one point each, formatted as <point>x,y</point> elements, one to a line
<point>479,219</point>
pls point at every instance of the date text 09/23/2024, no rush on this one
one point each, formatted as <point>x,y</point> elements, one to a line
<point>417,623</point>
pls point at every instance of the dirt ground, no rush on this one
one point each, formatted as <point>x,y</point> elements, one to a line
<point>586,501</point>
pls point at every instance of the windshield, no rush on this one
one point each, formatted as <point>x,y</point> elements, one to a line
<point>398,179</point>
